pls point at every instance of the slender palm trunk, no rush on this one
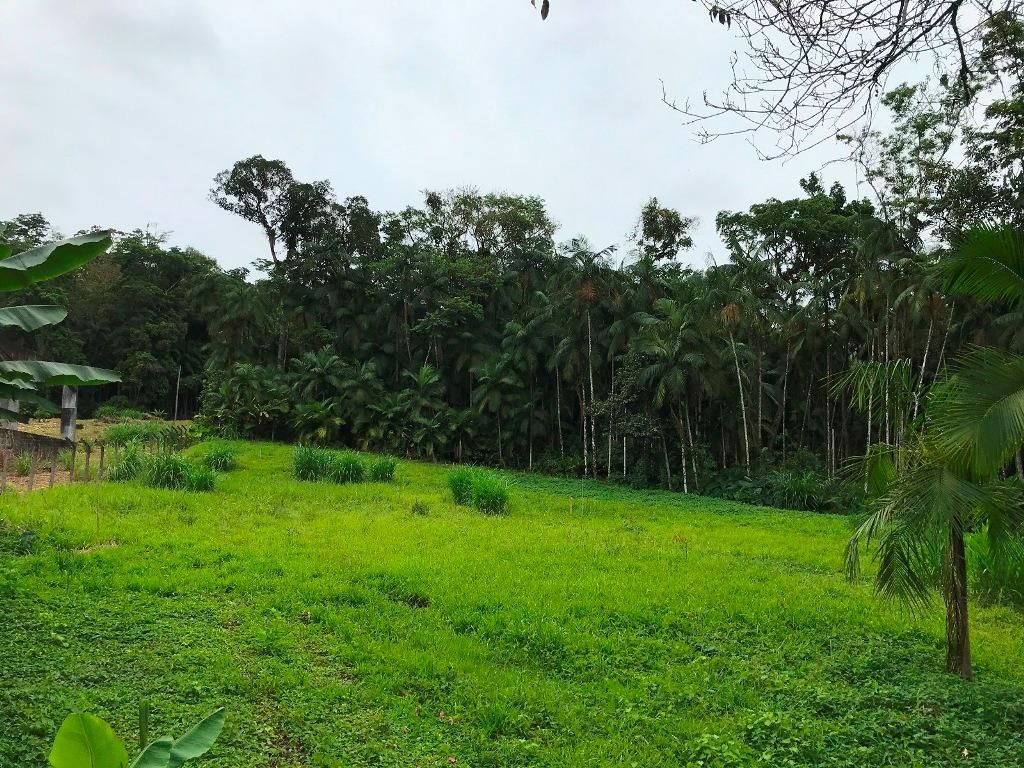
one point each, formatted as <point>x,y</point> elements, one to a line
<point>945,338</point>
<point>583,421</point>
<point>668,468</point>
<point>623,455</point>
<point>590,367</point>
<point>558,410</point>
<point>743,402</point>
<point>958,640</point>
<point>609,475</point>
<point>785,384</point>
<point>693,454</point>
<point>924,365</point>
<point>500,459</point>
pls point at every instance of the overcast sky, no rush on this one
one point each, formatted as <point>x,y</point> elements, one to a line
<point>119,113</point>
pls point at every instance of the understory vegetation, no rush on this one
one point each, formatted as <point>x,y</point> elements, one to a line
<point>339,625</point>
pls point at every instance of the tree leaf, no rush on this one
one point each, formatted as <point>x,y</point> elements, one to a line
<point>48,261</point>
<point>86,741</point>
<point>197,741</point>
<point>545,8</point>
<point>156,755</point>
<point>57,374</point>
<point>31,316</point>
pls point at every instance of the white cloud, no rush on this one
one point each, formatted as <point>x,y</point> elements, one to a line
<point>120,113</point>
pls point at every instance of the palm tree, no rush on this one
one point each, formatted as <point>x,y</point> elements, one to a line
<point>928,495</point>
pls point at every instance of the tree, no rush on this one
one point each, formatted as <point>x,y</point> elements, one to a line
<point>26,380</point>
<point>945,483</point>
<point>257,190</point>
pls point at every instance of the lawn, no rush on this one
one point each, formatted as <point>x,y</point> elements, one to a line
<point>592,626</point>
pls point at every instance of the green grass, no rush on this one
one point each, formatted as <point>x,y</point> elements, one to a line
<point>592,626</point>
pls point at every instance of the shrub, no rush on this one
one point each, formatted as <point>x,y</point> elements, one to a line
<point>64,459</point>
<point>420,508</point>
<point>490,494</point>
<point>166,470</point>
<point>346,467</point>
<point>131,432</point>
<point>199,478</point>
<point>171,436</point>
<point>311,463</point>
<point>115,412</point>
<point>220,458</point>
<point>22,464</point>
<point>460,482</point>
<point>129,466</point>
<point>382,469</point>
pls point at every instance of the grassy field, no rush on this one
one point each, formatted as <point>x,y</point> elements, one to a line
<point>617,628</point>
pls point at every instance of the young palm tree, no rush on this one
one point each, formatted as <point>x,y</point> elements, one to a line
<point>945,482</point>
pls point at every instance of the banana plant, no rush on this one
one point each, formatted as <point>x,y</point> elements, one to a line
<point>22,380</point>
<point>87,741</point>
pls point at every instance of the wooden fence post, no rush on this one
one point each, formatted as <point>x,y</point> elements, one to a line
<point>32,470</point>
<point>53,468</point>
<point>102,461</point>
<point>3,471</point>
<point>74,460</point>
<point>88,455</point>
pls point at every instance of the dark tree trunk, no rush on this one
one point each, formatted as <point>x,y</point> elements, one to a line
<point>958,641</point>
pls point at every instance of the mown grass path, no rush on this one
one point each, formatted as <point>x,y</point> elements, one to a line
<point>612,628</point>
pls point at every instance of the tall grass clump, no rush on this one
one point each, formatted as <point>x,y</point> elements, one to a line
<point>22,464</point>
<point>311,463</point>
<point>460,483</point>
<point>129,465</point>
<point>221,457</point>
<point>175,472</point>
<point>490,494</point>
<point>346,467</point>
<point>382,469</point>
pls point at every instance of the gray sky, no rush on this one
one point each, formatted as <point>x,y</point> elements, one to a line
<point>120,112</point>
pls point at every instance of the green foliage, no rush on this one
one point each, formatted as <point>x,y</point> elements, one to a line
<point>22,464</point>
<point>460,482</point>
<point>220,457</point>
<point>169,436</point>
<point>420,508</point>
<point>130,464</point>
<point>381,469</point>
<point>108,412</point>
<point>86,741</point>
<point>65,458</point>
<point>490,493</point>
<point>175,472</point>
<point>499,626</point>
<point>346,467</point>
<point>311,463</point>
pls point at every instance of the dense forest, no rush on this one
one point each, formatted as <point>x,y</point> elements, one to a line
<point>464,329</point>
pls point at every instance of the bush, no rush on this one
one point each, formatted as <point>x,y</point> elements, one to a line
<point>168,435</point>
<point>382,469</point>
<point>64,459</point>
<point>220,458</point>
<point>129,465</point>
<point>166,470</point>
<point>115,412</point>
<point>311,463</point>
<point>490,494</point>
<point>22,464</point>
<point>199,478</point>
<point>460,483</point>
<point>346,467</point>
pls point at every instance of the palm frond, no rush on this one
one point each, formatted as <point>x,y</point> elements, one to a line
<point>989,265</point>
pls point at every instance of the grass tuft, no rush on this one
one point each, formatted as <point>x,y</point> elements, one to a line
<point>382,469</point>
<point>220,457</point>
